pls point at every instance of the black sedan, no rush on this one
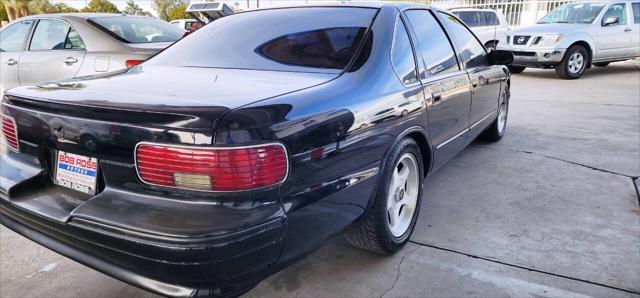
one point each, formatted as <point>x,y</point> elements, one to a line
<point>249,143</point>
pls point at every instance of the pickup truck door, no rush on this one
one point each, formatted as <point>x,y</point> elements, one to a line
<point>614,40</point>
<point>56,52</point>
<point>12,43</point>
<point>635,29</point>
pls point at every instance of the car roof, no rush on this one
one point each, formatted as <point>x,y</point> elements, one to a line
<point>471,9</point>
<point>363,4</point>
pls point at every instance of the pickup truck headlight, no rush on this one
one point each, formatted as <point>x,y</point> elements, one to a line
<point>551,39</point>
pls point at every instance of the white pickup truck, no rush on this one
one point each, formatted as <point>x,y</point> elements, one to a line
<point>575,36</point>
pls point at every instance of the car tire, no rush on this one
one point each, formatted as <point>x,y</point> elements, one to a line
<point>375,231</point>
<point>516,69</point>
<point>601,64</point>
<point>496,131</point>
<point>574,63</point>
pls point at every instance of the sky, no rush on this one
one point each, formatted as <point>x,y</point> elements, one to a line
<point>147,4</point>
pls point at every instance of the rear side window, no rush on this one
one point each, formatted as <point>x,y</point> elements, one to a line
<point>472,52</point>
<point>139,29</point>
<point>55,35</point>
<point>490,18</point>
<point>435,48</point>
<point>310,39</point>
<point>12,38</point>
<point>636,12</point>
<point>402,55</point>
<point>471,18</point>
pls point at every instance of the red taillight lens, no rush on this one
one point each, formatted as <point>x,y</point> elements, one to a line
<point>132,63</point>
<point>211,169</point>
<point>10,133</point>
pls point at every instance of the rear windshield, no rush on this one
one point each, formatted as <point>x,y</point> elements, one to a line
<point>311,39</point>
<point>139,29</point>
<point>471,18</point>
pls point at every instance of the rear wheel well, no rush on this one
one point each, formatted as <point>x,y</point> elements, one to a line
<point>585,45</point>
<point>425,149</point>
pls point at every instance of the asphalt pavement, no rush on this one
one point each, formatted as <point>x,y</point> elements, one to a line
<point>552,210</point>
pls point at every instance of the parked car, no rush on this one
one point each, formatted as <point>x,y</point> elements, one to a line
<point>189,25</point>
<point>489,25</point>
<point>575,36</point>
<point>59,46</point>
<point>225,159</point>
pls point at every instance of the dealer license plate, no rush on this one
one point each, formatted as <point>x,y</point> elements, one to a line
<point>76,172</point>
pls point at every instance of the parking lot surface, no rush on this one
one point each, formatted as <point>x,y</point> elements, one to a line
<point>552,210</point>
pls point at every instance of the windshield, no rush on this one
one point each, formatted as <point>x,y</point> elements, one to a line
<point>139,29</point>
<point>311,39</point>
<point>581,13</point>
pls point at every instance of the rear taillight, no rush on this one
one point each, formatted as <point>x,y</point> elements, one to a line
<point>211,168</point>
<point>132,63</point>
<point>10,133</point>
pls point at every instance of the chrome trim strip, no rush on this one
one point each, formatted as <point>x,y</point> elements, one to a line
<point>482,120</point>
<point>452,138</point>
<point>195,147</point>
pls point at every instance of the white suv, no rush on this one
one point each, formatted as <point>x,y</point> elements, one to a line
<point>575,36</point>
<point>490,26</point>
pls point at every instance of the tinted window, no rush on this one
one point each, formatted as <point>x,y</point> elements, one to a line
<point>636,12</point>
<point>50,35</point>
<point>582,13</point>
<point>316,39</point>
<point>490,18</point>
<point>471,18</point>
<point>472,52</point>
<point>402,55</point>
<point>12,38</point>
<point>73,41</point>
<point>435,48</point>
<point>139,29</point>
<point>616,10</point>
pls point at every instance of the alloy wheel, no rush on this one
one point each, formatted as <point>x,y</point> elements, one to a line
<point>403,194</point>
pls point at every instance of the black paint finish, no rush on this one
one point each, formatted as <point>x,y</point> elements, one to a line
<point>337,128</point>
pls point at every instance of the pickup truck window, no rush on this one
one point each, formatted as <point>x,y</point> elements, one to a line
<point>490,18</point>
<point>582,13</point>
<point>617,10</point>
<point>471,18</point>
<point>636,12</point>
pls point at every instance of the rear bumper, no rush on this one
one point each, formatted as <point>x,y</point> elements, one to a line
<point>214,266</point>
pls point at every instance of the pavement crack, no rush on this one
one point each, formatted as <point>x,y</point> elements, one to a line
<point>558,159</point>
<point>398,272</point>
<point>522,267</point>
<point>636,181</point>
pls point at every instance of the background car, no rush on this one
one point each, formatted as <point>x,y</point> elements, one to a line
<point>489,25</point>
<point>58,46</point>
<point>575,36</point>
<point>187,24</point>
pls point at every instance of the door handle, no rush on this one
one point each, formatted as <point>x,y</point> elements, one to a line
<point>627,30</point>
<point>70,60</point>
<point>12,61</point>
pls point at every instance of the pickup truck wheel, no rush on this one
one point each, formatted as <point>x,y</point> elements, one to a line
<point>574,63</point>
<point>495,132</point>
<point>516,69</point>
<point>387,225</point>
<point>601,64</point>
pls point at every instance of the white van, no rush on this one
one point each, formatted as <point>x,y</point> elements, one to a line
<point>490,26</point>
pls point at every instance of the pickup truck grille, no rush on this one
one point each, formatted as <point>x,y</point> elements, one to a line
<point>520,39</point>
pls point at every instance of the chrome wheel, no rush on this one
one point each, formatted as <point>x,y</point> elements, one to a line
<point>502,117</point>
<point>403,194</point>
<point>576,62</point>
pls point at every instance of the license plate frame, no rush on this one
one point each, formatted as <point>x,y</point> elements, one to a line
<point>76,172</point>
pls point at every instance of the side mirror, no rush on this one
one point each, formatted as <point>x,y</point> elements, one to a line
<point>500,57</point>
<point>610,21</point>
